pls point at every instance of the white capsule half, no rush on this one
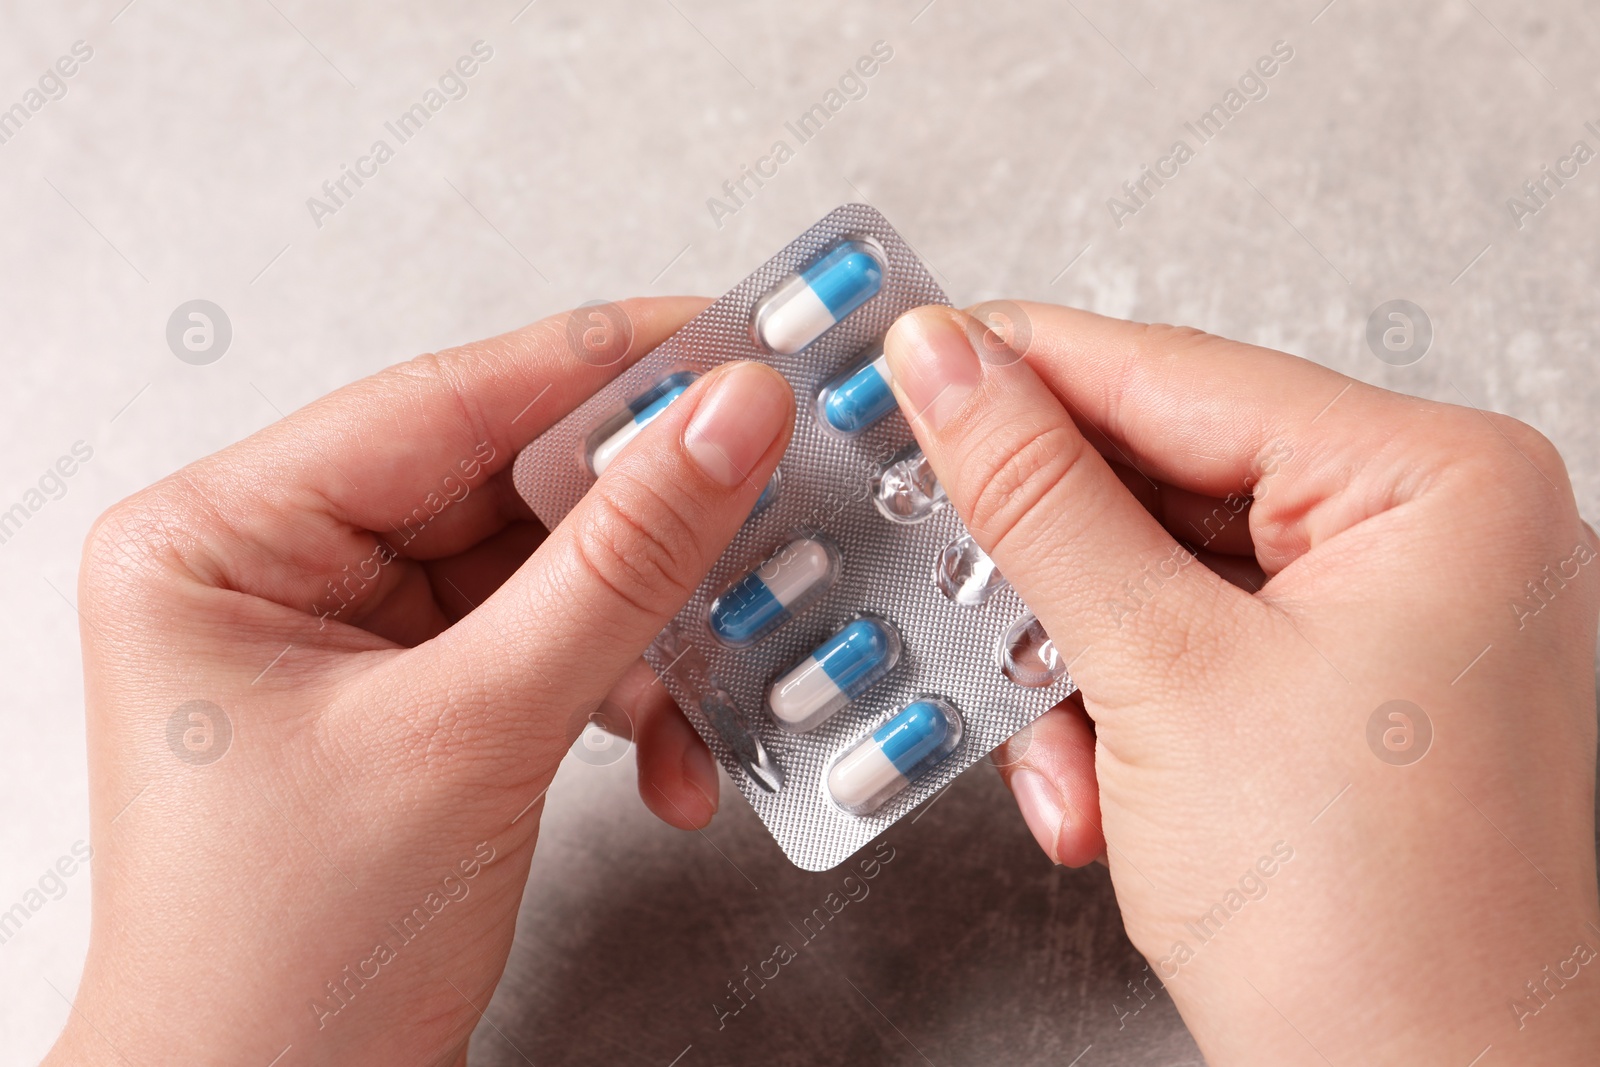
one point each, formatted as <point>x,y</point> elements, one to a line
<point>798,317</point>
<point>803,692</point>
<point>612,446</point>
<point>792,573</point>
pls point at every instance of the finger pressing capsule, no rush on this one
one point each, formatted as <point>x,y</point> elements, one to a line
<point>859,397</point>
<point>768,596</point>
<point>643,410</point>
<point>802,306</point>
<point>864,778</point>
<point>837,671</point>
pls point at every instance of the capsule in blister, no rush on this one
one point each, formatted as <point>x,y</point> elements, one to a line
<point>897,753</point>
<point>860,396</point>
<point>804,305</point>
<point>770,595</point>
<point>905,489</point>
<point>836,672</point>
<point>642,410</point>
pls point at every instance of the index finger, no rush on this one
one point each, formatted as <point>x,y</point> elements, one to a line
<point>413,461</point>
<point>1196,411</point>
<point>407,429</point>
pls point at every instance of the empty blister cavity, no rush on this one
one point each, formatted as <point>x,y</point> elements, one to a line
<point>772,593</point>
<point>965,573</point>
<point>905,489</point>
<point>894,755</point>
<point>1028,657</point>
<point>860,396</point>
<point>804,305</point>
<point>836,672</point>
<point>616,433</point>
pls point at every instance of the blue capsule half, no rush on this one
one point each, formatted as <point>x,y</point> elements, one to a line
<point>658,405</point>
<point>913,735</point>
<point>672,383</point>
<point>845,278</point>
<point>860,399</point>
<point>745,612</point>
<point>855,655</point>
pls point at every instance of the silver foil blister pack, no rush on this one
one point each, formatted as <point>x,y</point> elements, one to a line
<point>905,577</point>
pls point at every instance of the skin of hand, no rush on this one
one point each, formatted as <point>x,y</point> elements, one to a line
<point>1308,889</point>
<point>324,860</point>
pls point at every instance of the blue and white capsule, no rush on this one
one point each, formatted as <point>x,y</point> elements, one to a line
<point>644,410</point>
<point>838,671</point>
<point>859,397</point>
<point>774,592</point>
<point>803,306</point>
<point>924,732</point>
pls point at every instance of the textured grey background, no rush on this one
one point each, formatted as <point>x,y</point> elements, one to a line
<point>178,166</point>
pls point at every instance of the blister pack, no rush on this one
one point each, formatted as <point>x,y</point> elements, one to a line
<point>854,649</point>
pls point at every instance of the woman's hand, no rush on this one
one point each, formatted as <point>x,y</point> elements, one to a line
<point>1336,650</point>
<point>328,686</point>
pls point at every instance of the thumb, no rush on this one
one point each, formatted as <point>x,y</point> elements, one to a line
<point>1051,512</point>
<point>581,610</point>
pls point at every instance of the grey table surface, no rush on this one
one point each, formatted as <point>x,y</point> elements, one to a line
<point>178,163</point>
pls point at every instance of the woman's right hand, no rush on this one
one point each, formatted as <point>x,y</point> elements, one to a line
<point>1336,651</point>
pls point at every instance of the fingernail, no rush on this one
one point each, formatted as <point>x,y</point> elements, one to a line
<point>933,363</point>
<point>1041,809</point>
<point>745,410</point>
<point>700,774</point>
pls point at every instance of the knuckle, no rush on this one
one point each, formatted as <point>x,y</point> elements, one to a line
<point>135,541</point>
<point>120,540</point>
<point>1189,640</point>
<point>1166,339</point>
<point>178,532</point>
<point>1016,472</point>
<point>1150,354</point>
<point>1514,469</point>
<point>648,557</point>
<point>443,373</point>
<point>1530,445</point>
<point>449,738</point>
